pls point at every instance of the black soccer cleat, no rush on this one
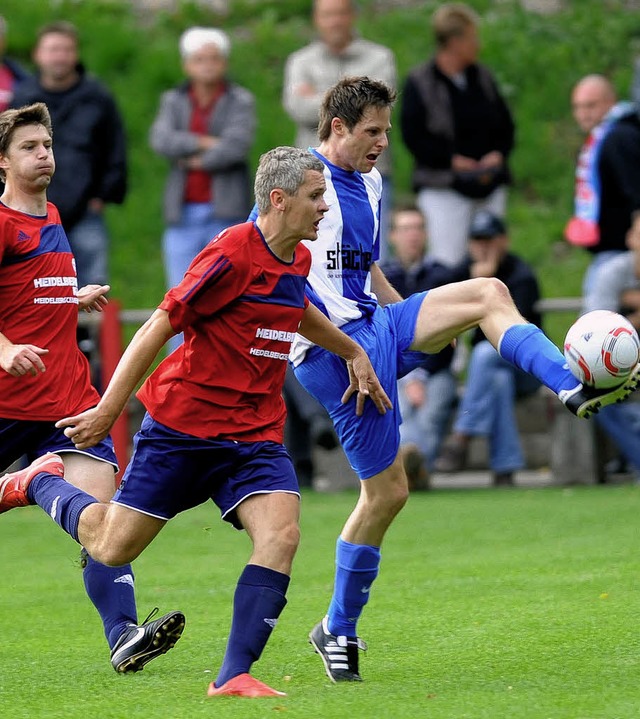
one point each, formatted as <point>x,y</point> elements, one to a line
<point>339,654</point>
<point>140,644</point>
<point>585,401</point>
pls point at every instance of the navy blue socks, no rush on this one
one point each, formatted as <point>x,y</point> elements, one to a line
<point>111,590</point>
<point>258,602</point>
<point>62,501</point>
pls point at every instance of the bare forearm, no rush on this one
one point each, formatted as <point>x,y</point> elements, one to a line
<point>321,331</point>
<point>383,289</point>
<point>135,362</point>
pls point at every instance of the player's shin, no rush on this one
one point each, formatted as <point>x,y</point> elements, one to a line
<point>258,602</point>
<point>527,347</point>
<point>111,591</point>
<point>63,502</point>
<point>357,566</point>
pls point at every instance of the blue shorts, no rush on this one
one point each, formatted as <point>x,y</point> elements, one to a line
<point>371,442</point>
<point>33,439</point>
<point>171,472</point>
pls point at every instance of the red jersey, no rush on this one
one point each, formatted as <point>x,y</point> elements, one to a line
<point>239,307</point>
<point>39,306</point>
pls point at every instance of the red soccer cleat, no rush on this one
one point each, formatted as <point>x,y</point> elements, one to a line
<point>13,486</point>
<point>244,685</point>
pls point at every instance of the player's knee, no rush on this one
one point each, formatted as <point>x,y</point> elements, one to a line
<point>291,538</point>
<point>494,293</point>
<point>393,500</point>
<point>400,496</point>
<point>283,541</point>
<point>112,554</point>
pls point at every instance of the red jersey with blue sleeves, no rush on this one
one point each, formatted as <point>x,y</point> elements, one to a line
<point>39,306</point>
<point>239,307</point>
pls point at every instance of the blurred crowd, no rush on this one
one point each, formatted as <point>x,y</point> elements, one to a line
<point>460,132</point>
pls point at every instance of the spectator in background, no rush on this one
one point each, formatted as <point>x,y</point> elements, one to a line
<point>460,132</point>
<point>205,127</point>
<point>617,288</point>
<point>311,71</point>
<point>427,399</point>
<point>492,384</point>
<point>11,73</point>
<point>90,145</point>
<point>607,174</point>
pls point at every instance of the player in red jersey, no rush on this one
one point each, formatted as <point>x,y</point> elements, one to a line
<point>43,374</point>
<point>215,413</point>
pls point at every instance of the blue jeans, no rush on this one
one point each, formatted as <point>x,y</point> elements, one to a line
<point>488,405</point>
<point>589,281</point>
<point>622,423</point>
<point>183,241</point>
<point>89,242</point>
<point>426,426</point>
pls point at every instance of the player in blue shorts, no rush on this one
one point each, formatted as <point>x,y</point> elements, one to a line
<point>215,413</point>
<point>43,374</point>
<point>346,283</point>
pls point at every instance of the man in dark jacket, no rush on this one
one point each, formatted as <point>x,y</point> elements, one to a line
<point>607,187</point>
<point>460,132</point>
<point>487,405</point>
<point>90,146</point>
<point>427,398</point>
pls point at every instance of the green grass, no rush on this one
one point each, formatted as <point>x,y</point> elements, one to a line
<point>489,604</point>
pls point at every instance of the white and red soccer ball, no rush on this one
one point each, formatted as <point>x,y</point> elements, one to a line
<point>602,348</point>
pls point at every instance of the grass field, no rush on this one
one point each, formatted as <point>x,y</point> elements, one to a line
<point>519,603</point>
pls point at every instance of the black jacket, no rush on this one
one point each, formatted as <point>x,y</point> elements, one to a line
<point>521,282</point>
<point>88,143</point>
<point>438,119</point>
<point>619,171</point>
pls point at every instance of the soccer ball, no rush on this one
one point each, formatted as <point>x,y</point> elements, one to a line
<point>602,348</point>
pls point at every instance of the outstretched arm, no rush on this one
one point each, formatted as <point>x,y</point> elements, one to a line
<point>90,427</point>
<point>363,379</point>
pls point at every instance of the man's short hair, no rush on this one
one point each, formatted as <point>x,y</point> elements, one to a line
<point>10,120</point>
<point>353,6</point>
<point>283,168</point>
<point>452,20</point>
<point>59,27</point>
<point>348,100</point>
<point>407,207</point>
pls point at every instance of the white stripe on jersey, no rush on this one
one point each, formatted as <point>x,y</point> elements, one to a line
<point>339,282</point>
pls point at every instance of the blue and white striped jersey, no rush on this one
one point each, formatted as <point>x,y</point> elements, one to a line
<point>339,282</point>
